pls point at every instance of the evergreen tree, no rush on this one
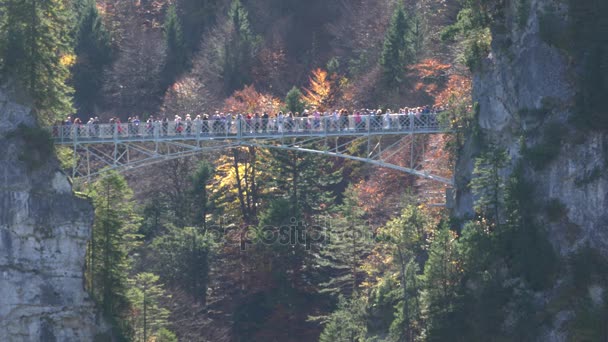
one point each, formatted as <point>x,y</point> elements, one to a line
<point>348,323</point>
<point>197,15</point>
<point>348,242</point>
<point>406,236</point>
<point>94,52</point>
<point>308,186</point>
<point>442,277</point>
<point>112,239</point>
<point>293,101</point>
<point>182,258</point>
<point>239,49</point>
<point>488,185</point>
<point>174,40</point>
<point>148,317</point>
<point>37,53</point>
<point>397,50</point>
<point>200,180</point>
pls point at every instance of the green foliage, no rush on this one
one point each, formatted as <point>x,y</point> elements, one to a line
<point>165,335</point>
<point>347,323</point>
<point>36,53</point>
<point>93,52</point>
<point>66,157</point>
<point>113,238</point>
<point>442,274</point>
<point>348,239</point>
<point>397,51</point>
<point>38,145</point>
<point>239,49</point>
<point>196,16</point>
<point>306,179</point>
<point>174,41</point>
<point>472,29</point>
<point>201,207</point>
<point>148,317</point>
<point>182,258</point>
<point>333,66</point>
<point>488,185</point>
<point>293,101</point>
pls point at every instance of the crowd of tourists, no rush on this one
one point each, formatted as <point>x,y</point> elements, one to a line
<point>252,123</point>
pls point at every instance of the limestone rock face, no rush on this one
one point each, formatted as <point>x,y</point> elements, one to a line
<point>44,230</point>
<point>521,75</point>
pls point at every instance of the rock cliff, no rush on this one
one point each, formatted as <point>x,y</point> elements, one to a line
<point>526,89</point>
<point>44,230</point>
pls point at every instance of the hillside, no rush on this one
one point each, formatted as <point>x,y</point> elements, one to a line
<point>489,230</point>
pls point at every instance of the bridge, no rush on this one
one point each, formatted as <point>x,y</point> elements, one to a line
<point>99,147</point>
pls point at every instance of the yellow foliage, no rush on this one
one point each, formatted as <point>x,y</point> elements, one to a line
<point>68,60</point>
<point>319,93</point>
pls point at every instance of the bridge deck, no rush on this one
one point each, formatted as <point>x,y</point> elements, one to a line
<point>243,129</point>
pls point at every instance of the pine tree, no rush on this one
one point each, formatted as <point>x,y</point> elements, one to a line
<point>397,50</point>
<point>293,101</point>
<point>442,276</point>
<point>197,15</point>
<point>182,258</point>
<point>147,317</point>
<point>239,49</point>
<point>406,238</point>
<point>299,177</point>
<point>37,54</point>
<point>174,40</point>
<point>349,240</point>
<point>200,181</point>
<point>94,52</point>
<point>488,185</point>
<point>348,323</point>
<point>112,239</point>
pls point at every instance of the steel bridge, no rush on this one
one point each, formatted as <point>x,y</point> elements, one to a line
<point>101,147</point>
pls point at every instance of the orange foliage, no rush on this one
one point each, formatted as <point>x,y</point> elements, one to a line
<point>319,94</point>
<point>431,68</point>
<point>430,75</point>
<point>458,88</point>
<point>250,100</point>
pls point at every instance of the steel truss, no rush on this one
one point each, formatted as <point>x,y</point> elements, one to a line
<point>126,147</point>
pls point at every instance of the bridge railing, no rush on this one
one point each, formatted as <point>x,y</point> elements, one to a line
<point>241,127</point>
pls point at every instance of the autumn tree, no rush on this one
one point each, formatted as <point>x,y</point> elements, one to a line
<point>249,100</point>
<point>36,53</point>
<point>319,94</point>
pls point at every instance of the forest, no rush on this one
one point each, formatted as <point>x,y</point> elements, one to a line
<point>252,244</point>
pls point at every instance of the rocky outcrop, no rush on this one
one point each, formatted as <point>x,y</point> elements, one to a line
<point>44,230</point>
<point>524,88</point>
